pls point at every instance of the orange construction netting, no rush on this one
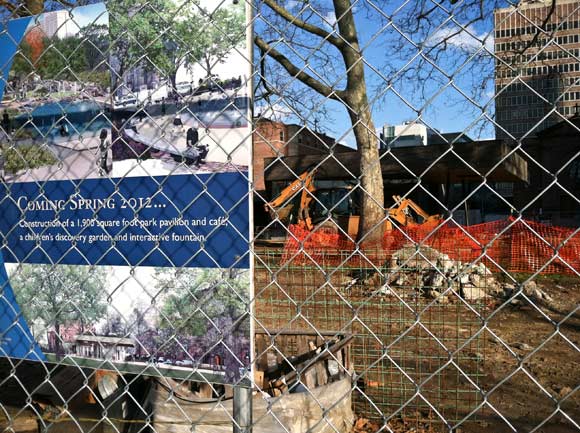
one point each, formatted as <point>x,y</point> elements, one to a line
<point>514,245</point>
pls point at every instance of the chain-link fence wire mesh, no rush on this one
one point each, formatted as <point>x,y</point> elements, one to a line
<point>446,243</point>
<point>421,265</point>
<point>126,147</point>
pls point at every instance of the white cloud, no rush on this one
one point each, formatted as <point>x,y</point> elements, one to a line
<point>292,4</point>
<point>276,111</point>
<point>464,39</point>
<point>330,18</point>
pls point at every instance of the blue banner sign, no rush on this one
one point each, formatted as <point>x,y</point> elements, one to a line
<point>185,220</point>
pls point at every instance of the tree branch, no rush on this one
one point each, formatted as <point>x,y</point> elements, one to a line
<point>295,72</point>
<point>69,4</point>
<point>6,4</point>
<point>542,27</point>
<point>297,22</point>
<point>269,90</point>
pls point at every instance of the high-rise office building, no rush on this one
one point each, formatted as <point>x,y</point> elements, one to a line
<point>537,65</point>
<point>59,24</point>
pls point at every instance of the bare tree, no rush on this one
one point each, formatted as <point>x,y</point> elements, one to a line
<point>362,55</point>
<point>350,92</point>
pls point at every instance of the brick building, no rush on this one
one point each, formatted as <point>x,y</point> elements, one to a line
<point>537,70</point>
<point>276,139</point>
<point>552,155</point>
<point>273,139</point>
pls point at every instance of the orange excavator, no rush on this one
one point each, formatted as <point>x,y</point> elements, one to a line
<point>309,206</point>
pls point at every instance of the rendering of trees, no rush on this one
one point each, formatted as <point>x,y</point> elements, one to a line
<point>137,30</point>
<point>159,36</point>
<point>194,300</point>
<point>60,295</point>
<point>115,325</point>
<point>223,31</point>
<point>80,57</point>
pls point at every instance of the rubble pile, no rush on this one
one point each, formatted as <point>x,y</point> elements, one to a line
<point>432,273</point>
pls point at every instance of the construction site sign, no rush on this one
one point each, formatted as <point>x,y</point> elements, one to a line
<point>125,211</point>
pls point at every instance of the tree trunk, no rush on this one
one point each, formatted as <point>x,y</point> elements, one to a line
<point>57,345</point>
<point>371,225</point>
<point>173,80</point>
<point>208,65</point>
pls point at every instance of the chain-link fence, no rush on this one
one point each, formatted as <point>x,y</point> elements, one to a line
<point>294,216</point>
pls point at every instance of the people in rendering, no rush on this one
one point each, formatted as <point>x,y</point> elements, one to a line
<point>197,151</point>
<point>63,128</point>
<point>103,152</point>
<point>6,123</point>
<point>191,138</point>
<point>203,150</point>
<point>163,107</point>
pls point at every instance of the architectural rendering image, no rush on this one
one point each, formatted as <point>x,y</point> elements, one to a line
<point>54,106</point>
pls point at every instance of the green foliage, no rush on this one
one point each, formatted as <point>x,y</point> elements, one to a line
<point>224,30</point>
<point>135,28</point>
<point>193,297</point>
<point>60,295</point>
<point>63,59</point>
<point>22,63</point>
<point>100,78</point>
<point>195,37</point>
<point>95,46</point>
<point>67,59</point>
<point>26,157</point>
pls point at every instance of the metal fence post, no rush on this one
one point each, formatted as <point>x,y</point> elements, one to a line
<point>242,409</point>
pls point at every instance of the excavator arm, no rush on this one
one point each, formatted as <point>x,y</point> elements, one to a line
<point>300,194</point>
<point>403,216</point>
<point>282,206</point>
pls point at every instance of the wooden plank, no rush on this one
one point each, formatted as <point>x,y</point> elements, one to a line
<point>18,420</point>
<point>259,379</point>
<point>321,373</point>
<point>308,378</point>
<point>229,393</point>
<point>205,390</point>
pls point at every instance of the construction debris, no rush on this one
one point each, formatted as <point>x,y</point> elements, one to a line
<point>433,273</point>
<point>307,390</point>
<point>320,410</point>
<point>396,425</point>
<point>424,271</point>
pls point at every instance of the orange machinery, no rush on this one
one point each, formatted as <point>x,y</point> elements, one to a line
<point>304,204</point>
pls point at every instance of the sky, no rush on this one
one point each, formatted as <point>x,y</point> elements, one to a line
<point>442,112</point>
<point>86,15</point>
<point>92,14</point>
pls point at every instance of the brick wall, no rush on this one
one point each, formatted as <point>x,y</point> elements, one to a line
<point>273,139</point>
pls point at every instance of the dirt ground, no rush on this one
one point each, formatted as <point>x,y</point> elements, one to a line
<point>482,366</point>
<point>545,357</point>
